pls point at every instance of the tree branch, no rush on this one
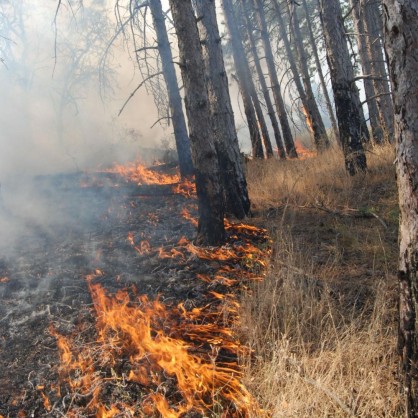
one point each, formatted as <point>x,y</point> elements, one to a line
<point>134,92</point>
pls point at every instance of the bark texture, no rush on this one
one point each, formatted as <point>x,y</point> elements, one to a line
<point>226,141</point>
<point>211,229</point>
<point>401,44</point>
<point>275,85</point>
<point>346,96</point>
<point>174,98</point>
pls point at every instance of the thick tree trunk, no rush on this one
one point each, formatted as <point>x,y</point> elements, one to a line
<point>365,59</point>
<point>208,183</point>
<point>263,84</point>
<point>378,68</point>
<point>275,85</point>
<point>226,141</point>
<point>174,98</point>
<point>311,108</point>
<point>320,72</point>
<point>243,77</point>
<point>401,42</point>
<point>346,96</point>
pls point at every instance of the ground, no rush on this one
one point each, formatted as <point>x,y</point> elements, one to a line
<point>81,234</point>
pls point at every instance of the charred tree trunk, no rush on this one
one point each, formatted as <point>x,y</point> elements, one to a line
<point>346,96</point>
<point>175,102</point>
<point>243,77</point>
<point>263,84</point>
<point>320,72</point>
<point>226,141</point>
<point>365,60</point>
<point>211,229</point>
<point>310,105</point>
<point>401,40</point>
<point>275,85</point>
<point>378,68</point>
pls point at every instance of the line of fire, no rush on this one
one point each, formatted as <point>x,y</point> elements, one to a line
<point>131,319</point>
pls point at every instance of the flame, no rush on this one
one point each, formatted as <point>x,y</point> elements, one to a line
<point>186,215</point>
<point>4,280</point>
<point>159,343</point>
<point>144,246</point>
<point>173,360</point>
<point>304,153</point>
<point>139,174</point>
<point>308,119</point>
<point>187,188</point>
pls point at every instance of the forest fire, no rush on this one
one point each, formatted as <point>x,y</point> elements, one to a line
<point>170,359</point>
<point>303,152</point>
<point>142,356</point>
<point>139,174</point>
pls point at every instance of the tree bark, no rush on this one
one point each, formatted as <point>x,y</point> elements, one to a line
<point>365,60</point>
<point>174,98</point>
<point>211,229</point>
<point>401,41</point>
<point>346,96</point>
<point>226,141</point>
<point>320,72</point>
<point>243,77</point>
<point>275,85</point>
<point>311,108</point>
<point>263,83</point>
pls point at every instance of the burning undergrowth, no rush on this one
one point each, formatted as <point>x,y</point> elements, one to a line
<point>152,331</point>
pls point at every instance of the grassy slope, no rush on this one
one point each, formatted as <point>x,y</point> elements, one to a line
<point>323,323</point>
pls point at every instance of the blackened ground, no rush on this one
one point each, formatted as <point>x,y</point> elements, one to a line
<point>68,227</point>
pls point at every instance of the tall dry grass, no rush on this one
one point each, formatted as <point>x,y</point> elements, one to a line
<point>322,325</point>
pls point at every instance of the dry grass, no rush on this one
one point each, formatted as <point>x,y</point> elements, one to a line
<point>322,325</point>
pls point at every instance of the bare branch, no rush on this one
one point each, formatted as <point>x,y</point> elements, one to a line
<point>139,86</point>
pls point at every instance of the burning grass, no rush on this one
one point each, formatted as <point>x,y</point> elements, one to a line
<point>323,323</point>
<point>151,358</point>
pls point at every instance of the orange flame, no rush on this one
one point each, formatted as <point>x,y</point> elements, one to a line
<point>308,119</point>
<point>139,174</point>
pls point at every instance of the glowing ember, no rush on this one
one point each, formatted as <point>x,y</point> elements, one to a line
<point>186,215</point>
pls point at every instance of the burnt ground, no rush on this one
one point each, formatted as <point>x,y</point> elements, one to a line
<point>71,226</point>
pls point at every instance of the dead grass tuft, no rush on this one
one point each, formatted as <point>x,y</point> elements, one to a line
<point>322,325</point>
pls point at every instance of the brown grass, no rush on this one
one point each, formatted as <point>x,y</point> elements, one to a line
<point>322,325</point>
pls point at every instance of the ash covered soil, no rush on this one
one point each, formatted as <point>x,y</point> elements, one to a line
<point>128,236</point>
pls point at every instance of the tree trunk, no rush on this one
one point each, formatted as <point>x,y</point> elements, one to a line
<point>243,77</point>
<point>211,229</point>
<point>347,101</point>
<point>175,102</point>
<point>365,60</point>
<point>226,141</point>
<point>263,84</point>
<point>320,72</point>
<point>378,69</point>
<point>311,108</point>
<point>401,41</point>
<point>275,85</point>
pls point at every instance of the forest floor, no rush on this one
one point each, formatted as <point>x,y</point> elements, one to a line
<point>108,309</point>
<point>304,312</point>
<point>322,324</point>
